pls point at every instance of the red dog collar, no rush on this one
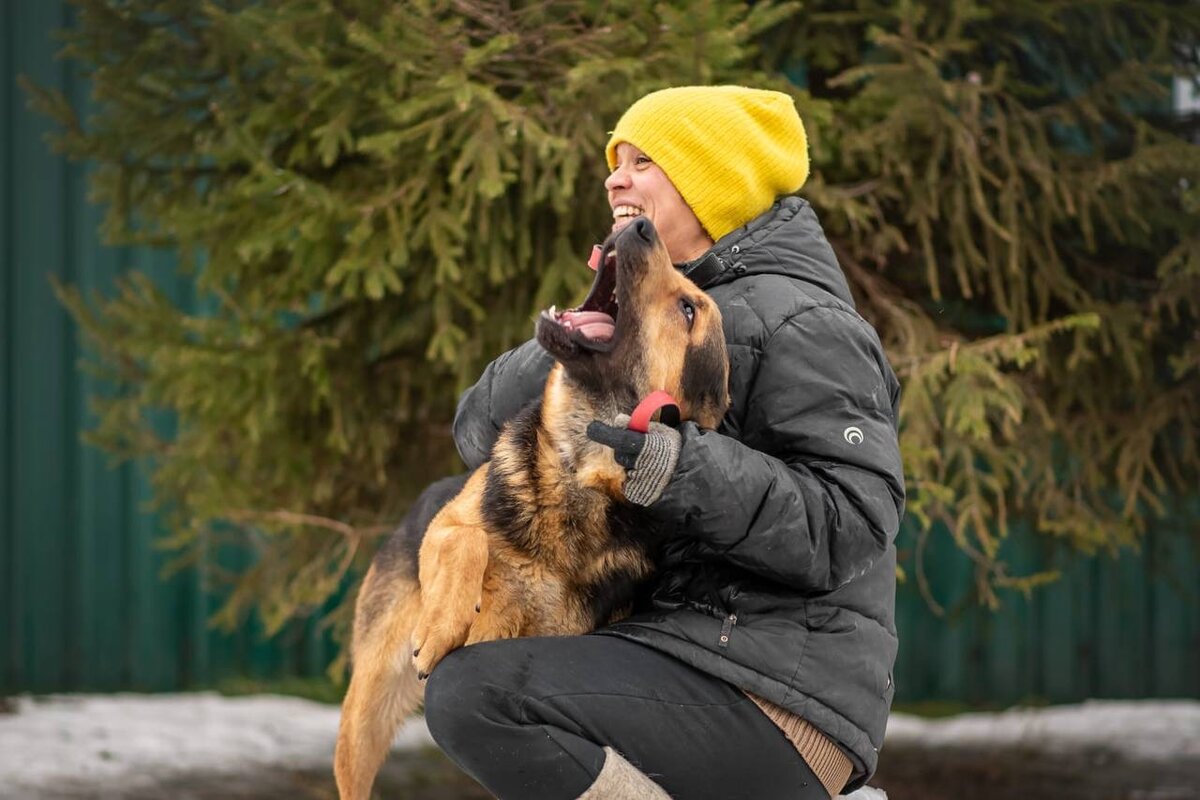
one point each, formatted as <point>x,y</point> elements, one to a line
<point>640,419</point>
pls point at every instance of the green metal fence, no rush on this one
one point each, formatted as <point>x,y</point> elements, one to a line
<point>1118,627</point>
<point>82,606</point>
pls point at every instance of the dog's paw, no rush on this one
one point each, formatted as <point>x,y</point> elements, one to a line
<point>428,653</point>
<point>436,635</point>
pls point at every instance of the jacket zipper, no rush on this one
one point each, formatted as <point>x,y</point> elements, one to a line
<point>727,629</point>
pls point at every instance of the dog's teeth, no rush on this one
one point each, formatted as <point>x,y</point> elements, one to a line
<point>553,311</point>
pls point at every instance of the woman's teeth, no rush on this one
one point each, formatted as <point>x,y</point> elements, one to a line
<point>623,215</point>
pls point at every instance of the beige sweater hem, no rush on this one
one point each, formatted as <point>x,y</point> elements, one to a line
<point>827,761</point>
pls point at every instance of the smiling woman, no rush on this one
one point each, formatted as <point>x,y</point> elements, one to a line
<point>782,527</point>
<point>639,187</point>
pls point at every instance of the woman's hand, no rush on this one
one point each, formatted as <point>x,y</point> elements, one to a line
<point>648,458</point>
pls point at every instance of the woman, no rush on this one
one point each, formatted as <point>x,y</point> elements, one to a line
<point>760,663</point>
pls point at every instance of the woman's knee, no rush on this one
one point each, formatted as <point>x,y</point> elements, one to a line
<point>465,696</point>
<point>447,706</point>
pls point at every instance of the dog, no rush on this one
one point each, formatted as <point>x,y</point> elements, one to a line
<point>540,540</point>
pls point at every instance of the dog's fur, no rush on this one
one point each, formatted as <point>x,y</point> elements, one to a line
<point>540,541</point>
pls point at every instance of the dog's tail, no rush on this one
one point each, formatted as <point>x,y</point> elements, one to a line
<point>384,689</point>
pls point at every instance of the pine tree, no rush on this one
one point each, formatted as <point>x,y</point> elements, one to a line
<point>375,198</point>
<point>1019,211</point>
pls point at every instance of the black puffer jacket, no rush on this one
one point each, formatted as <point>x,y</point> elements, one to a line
<point>785,518</point>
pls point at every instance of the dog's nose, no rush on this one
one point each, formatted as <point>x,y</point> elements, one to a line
<point>643,228</point>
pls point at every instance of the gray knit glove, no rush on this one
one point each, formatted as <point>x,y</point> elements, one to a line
<point>648,458</point>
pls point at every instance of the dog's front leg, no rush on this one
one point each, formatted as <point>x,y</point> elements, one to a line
<point>451,566</point>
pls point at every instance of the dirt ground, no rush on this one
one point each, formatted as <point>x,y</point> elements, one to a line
<point>914,773</point>
<point>423,774</point>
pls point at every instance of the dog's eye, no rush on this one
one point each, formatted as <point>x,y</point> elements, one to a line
<point>689,311</point>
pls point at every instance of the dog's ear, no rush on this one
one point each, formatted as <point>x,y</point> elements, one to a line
<point>705,382</point>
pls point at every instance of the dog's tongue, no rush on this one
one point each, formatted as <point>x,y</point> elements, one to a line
<point>595,325</point>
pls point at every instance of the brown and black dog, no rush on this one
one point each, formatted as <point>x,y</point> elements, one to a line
<point>540,540</point>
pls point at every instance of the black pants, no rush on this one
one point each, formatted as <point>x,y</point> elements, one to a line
<point>528,719</point>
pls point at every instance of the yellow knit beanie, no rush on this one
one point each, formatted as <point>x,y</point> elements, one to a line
<point>729,150</point>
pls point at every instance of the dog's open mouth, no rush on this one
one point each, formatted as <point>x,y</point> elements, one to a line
<point>594,323</point>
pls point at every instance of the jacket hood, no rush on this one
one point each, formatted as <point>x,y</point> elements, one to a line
<point>786,239</point>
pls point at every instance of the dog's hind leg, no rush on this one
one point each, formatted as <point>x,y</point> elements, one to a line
<point>383,691</point>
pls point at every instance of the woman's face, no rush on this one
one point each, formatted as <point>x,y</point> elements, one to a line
<point>637,187</point>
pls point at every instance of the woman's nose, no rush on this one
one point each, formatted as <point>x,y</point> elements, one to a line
<point>616,179</point>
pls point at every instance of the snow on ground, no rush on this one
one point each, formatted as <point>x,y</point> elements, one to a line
<point>1146,730</point>
<point>130,740</point>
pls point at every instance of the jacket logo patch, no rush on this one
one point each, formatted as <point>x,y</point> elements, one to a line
<point>853,435</point>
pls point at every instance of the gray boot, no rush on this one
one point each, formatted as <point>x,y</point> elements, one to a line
<point>620,780</point>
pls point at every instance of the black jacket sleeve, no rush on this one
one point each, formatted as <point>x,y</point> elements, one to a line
<point>507,384</point>
<point>813,492</point>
